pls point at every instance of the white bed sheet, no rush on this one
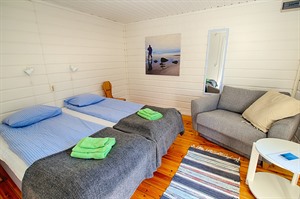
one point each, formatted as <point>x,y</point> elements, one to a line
<point>18,166</point>
<point>88,117</point>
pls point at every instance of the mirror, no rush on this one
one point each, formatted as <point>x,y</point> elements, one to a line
<point>215,60</point>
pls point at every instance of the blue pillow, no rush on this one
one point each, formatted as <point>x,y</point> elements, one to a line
<point>31,115</point>
<point>84,99</point>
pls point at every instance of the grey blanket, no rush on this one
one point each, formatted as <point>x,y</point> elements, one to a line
<point>162,132</point>
<point>131,160</point>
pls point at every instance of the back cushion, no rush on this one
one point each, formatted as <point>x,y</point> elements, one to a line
<point>269,108</point>
<point>238,99</point>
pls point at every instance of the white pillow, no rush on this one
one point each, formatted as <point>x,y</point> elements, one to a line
<point>269,108</point>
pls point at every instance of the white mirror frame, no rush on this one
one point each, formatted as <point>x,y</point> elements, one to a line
<point>210,32</point>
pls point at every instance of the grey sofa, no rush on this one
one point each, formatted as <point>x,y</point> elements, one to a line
<point>218,118</point>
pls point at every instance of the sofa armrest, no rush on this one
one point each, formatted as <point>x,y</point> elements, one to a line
<point>285,128</point>
<point>203,104</point>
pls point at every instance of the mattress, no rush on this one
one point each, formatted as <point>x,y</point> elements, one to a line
<point>18,166</point>
<point>109,109</point>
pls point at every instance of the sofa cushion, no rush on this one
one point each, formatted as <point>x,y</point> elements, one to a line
<point>269,108</point>
<point>230,124</point>
<point>238,99</point>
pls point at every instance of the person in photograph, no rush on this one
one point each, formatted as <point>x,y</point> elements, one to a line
<point>149,52</point>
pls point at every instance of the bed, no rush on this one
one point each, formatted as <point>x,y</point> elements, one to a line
<point>133,155</point>
<point>16,167</point>
<point>162,132</point>
<point>140,146</point>
<point>129,162</point>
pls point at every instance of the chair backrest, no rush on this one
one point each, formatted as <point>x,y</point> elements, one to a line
<point>107,89</point>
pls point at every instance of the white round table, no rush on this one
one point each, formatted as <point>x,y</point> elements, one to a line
<point>269,185</point>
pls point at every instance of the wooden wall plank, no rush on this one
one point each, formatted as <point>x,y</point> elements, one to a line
<point>50,39</point>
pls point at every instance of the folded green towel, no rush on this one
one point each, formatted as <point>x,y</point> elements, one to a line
<point>107,145</point>
<point>89,155</point>
<point>93,153</point>
<point>92,143</point>
<point>149,114</point>
<point>148,111</point>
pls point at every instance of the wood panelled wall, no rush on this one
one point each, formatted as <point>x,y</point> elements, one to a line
<point>263,52</point>
<point>50,39</point>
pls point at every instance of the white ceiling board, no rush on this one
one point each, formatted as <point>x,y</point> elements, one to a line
<point>128,11</point>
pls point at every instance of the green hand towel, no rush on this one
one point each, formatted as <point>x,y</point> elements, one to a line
<point>149,114</point>
<point>150,117</point>
<point>148,111</point>
<point>101,155</point>
<point>108,144</point>
<point>97,153</point>
<point>145,115</point>
<point>92,143</point>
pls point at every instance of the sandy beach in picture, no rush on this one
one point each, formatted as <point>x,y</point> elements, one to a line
<point>162,55</point>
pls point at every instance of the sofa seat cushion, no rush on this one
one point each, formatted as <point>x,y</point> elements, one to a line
<point>230,124</point>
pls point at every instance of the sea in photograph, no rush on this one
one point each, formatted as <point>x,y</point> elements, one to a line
<point>163,64</point>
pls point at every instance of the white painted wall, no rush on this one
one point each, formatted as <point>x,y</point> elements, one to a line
<point>50,39</point>
<point>263,52</point>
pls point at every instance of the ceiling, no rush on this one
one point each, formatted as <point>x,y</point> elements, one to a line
<point>127,11</point>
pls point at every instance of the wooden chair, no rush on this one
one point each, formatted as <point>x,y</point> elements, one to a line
<point>107,88</point>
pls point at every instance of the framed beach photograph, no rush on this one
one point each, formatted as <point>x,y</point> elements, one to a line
<point>162,55</point>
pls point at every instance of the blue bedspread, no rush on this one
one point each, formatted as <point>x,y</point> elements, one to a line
<point>109,109</point>
<point>47,137</point>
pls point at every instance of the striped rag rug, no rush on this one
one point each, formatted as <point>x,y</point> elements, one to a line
<point>203,174</point>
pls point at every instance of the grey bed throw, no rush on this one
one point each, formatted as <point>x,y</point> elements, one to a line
<point>130,161</point>
<point>162,132</point>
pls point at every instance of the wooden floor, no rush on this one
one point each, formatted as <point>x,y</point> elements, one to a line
<point>154,187</point>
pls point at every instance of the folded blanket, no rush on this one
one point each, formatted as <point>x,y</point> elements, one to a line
<point>149,114</point>
<point>107,145</point>
<point>92,143</point>
<point>130,161</point>
<point>162,132</point>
